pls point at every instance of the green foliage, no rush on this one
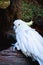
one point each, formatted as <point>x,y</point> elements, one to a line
<point>30,10</point>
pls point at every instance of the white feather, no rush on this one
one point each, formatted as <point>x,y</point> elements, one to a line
<point>29,40</point>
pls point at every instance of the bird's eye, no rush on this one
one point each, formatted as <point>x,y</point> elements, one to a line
<point>18,24</point>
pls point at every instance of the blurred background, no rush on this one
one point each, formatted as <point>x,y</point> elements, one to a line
<point>29,8</point>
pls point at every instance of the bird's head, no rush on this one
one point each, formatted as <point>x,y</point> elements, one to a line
<point>18,22</point>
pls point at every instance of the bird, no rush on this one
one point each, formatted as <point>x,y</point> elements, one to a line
<point>29,41</point>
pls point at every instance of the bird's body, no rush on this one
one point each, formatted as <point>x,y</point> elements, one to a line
<point>29,41</point>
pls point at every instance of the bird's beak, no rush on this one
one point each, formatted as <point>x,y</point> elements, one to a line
<point>14,27</point>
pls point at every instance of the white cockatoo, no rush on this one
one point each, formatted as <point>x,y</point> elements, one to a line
<point>29,41</point>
